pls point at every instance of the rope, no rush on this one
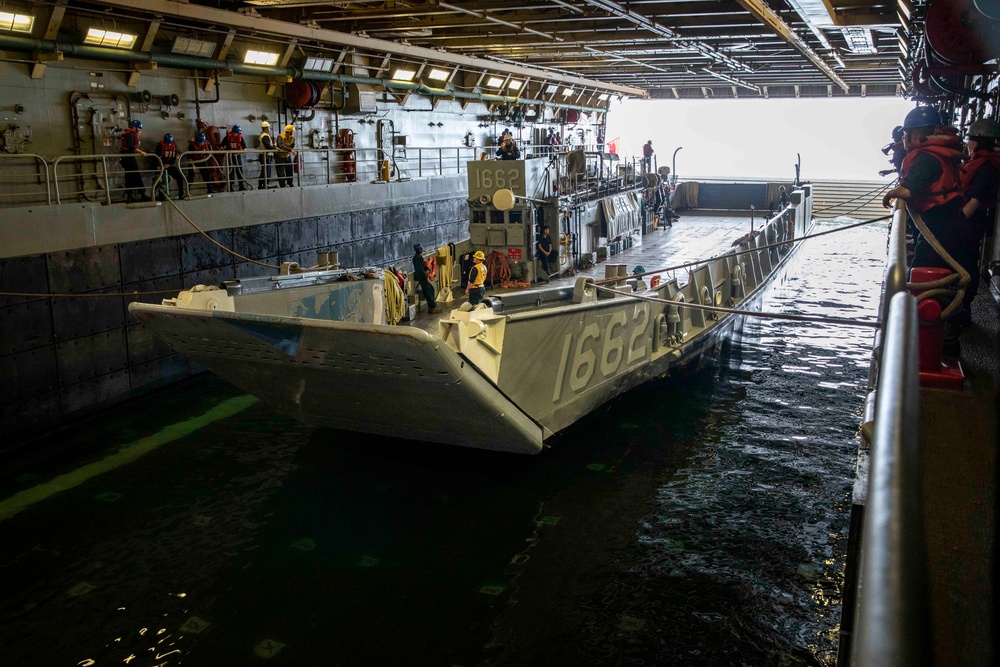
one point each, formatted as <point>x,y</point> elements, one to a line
<point>747,252</point>
<point>751,313</point>
<point>961,275</point>
<point>84,296</point>
<point>497,269</point>
<point>395,300</point>
<point>205,234</point>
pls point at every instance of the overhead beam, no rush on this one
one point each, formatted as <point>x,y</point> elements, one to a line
<point>768,17</point>
<point>202,14</point>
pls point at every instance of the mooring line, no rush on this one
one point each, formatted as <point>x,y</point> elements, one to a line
<point>751,313</point>
<point>205,234</point>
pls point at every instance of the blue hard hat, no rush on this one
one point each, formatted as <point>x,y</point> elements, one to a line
<point>418,246</point>
<point>168,138</point>
<point>237,129</point>
<point>639,269</point>
<point>199,138</point>
<point>922,117</point>
<point>137,124</point>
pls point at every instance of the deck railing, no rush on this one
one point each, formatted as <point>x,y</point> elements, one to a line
<point>27,179</point>
<point>892,615</point>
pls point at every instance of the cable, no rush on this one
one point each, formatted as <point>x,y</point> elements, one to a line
<point>205,234</point>
<point>752,313</point>
<point>395,300</point>
<point>876,190</point>
<point>497,269</point>
<point>81,296</point>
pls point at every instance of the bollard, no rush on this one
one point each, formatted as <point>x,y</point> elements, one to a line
<point>931,335</point>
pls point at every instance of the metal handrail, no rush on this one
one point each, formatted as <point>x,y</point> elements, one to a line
<point>892,610</point>
<point>41,170</point>
<point>106,174</point>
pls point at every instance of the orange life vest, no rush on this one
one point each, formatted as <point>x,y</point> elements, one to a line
<point>130,140</point>
<point>977,162</point>
<point>234,142</point>
<point>167,152</point>
<point>948,186</point>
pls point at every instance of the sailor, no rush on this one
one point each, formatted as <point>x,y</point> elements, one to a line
<point>134,187</point>
<point>283,161</point>
<point>167,151</point>
<point>898,152</point>
<point>508,149</point>
<point>647,155</point>
<point>543,251</point>
<point>783,200</point>
<point>236,144</point>
<point>640,284</point>
<point>476,288</point>
<point>980,180</point>
<point>420,272</point>
<point>930,184</point>
<point>203,161</point>
<point>266,158</point>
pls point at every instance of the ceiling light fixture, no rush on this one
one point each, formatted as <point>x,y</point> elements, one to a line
<point>260,58</point>
<point>112,38</point>
<point>193,47</point>
<point>16,22</point>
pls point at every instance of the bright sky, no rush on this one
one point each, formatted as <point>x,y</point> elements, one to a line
<point>838,138</point>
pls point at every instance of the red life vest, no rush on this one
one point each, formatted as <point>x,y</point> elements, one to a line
<point>944,148</point>
<point>977,162</point>
<point>130,140</point>
<point>234,142</point>
<point>167,152</point>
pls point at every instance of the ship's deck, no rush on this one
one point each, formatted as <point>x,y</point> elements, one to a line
<point>692,237</point>
<point>960,459</point>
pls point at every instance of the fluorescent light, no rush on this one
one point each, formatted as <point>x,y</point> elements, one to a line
<point>494,82</point>
<point>403,74</point>
<point>603,97</point>
<point>120,40</point>
<point>193,47</point>
<point>16,22</point>
<point>551,89</point>
<point>515,85</point>
<point>567,92</point>
<point>260,58</point>
<point>438,75</point>
<point>319,64</point>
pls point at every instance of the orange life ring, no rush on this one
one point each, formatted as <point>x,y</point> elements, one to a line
<point>431,267</point>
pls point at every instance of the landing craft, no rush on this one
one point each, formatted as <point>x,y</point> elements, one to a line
<point>523,365</point>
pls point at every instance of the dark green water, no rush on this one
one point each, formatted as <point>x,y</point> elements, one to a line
<point>693,522</point>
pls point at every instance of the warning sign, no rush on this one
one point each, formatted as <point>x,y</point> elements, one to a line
<point>514,253</point>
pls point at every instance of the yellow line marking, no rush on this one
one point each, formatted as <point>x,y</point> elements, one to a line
<point>127,454</point>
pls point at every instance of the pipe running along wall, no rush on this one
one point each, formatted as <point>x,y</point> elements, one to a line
<point>83,51</point>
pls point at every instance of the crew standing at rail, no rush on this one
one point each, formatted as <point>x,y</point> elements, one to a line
<point>980,182</point>
<point>783,199</point>
<point>168,153</point>
<point>236,144</point>
<point>135,189</point>
<point>421,274</point>
<point>930,184</point>
<point>202,161</point>
<point>647,156</point>
<point>266,157</point>
<point>286,151</point>
<point>476,289</point>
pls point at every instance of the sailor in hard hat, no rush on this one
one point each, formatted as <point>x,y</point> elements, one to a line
<point>930,184</point>
<point>640,284</point>
<point>266,158</point>
<point>135,189</point>
<point>476,288</point>
<point>783,199</point>
<point>420,273</point>
<point>283,161</point>
<point>980,181</point>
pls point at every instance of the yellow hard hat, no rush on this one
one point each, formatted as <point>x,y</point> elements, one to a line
<point>479,255</point>
<point>289,129</point>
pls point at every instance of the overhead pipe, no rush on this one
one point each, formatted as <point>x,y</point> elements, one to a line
<point>27,44</point>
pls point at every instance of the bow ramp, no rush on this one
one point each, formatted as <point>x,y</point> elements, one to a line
<point>373,378</point>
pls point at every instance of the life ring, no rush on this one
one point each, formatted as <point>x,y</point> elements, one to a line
<point>431,266</point>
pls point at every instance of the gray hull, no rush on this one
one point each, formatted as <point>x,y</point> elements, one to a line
<point>505,378</point>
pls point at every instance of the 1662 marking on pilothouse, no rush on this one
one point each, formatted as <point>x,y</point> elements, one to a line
<point>613,343</point>
<point>488,179</point>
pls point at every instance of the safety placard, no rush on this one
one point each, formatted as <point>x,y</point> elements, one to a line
<point>514,253</point>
